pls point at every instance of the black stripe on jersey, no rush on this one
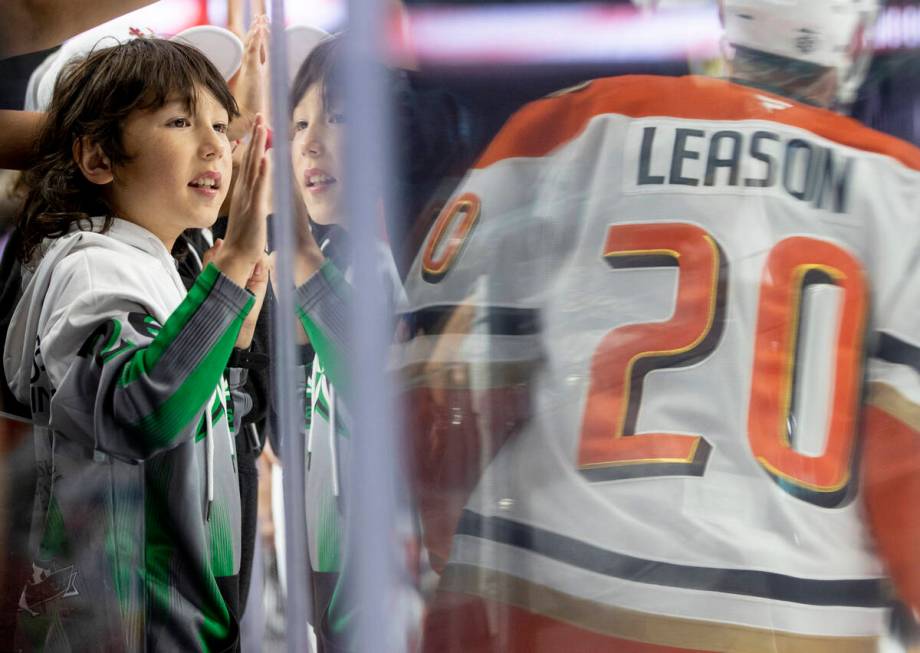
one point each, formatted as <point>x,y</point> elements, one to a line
<point>895,350</point>
<point>502,320</point>
<point>857,593</point>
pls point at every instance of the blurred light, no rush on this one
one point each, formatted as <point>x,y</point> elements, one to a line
<point>325,14</point>
<point>217,12</point>
<point>530,33</point>
<point>898,28</point>
<point>575,33</point>
<point>587,33</point>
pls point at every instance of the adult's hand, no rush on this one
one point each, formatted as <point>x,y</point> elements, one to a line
<point>250,86</point>
<point>236,15</point>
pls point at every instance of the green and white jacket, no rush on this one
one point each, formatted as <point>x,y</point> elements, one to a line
<point>136,529</point>
<point>323,307</point>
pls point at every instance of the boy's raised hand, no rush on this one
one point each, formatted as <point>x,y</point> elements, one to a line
<point>245,242</point>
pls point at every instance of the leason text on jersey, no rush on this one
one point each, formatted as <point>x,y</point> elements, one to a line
<point>744,161</point>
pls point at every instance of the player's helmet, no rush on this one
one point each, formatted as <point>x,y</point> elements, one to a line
<point>829,33</point>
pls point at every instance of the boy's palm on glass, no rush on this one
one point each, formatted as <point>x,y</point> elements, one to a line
<point>247,230</point>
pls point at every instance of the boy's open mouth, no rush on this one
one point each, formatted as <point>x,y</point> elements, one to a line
<point>209,180</point>
<point>315,181</point>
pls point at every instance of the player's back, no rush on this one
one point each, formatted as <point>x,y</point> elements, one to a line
<point>692,265</point>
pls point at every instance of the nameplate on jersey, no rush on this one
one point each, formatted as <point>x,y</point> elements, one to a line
<point>664,155</point>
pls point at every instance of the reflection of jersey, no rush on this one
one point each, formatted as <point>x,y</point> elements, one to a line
<point>691,267</point>
<point>322,307</point>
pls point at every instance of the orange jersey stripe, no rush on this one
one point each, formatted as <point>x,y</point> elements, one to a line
<point>546,124</point>
<point>891,486</point>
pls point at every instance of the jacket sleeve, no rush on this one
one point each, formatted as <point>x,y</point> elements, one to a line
<point>136,388</point>
<point>322,306</point>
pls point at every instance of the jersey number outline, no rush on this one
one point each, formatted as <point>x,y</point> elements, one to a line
<point>627,354</point>
<point>450,233</point>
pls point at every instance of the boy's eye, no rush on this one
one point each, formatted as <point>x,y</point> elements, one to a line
<point>179,122</point>
<point>300,125</point>
<point>220,128</point>
<point>336,118</point>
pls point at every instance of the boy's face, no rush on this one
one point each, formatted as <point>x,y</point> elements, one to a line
<point>180,168</point>
<point>316,155</point>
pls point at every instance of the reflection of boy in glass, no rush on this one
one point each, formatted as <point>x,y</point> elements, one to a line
<point>318,128</point>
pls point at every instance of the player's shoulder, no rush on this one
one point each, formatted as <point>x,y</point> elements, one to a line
<point>550,122</point>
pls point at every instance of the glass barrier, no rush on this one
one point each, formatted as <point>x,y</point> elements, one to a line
<point>586,327</point>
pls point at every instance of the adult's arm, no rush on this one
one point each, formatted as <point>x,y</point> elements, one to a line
<point>18,135</point>
<point>33,25</point>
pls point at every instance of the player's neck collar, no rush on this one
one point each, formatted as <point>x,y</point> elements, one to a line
<point>776,90</point>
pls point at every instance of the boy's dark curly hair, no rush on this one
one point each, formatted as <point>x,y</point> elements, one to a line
<point>92,98</point>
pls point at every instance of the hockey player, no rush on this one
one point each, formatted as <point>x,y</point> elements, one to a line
<point>665,394</point>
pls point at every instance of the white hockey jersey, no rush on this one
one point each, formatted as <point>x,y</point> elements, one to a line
<point>712,286</point>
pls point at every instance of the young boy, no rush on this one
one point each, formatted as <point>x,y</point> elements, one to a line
<point>136,536</point>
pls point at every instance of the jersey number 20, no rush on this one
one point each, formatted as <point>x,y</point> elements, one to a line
<point>610,448</point>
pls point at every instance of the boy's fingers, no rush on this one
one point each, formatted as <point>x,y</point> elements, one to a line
<point>211,252</point>
<point>260,188</point>
<point>258,279</point>
<point>258,151</point>
<point>244,163</point>
<point>252,163</point>
<point>263,44</point>
<point>246,169</point>
<point>254,147</point>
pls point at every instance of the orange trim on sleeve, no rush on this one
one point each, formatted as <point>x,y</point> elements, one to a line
<point>891,488</point>
<point>544,125</point>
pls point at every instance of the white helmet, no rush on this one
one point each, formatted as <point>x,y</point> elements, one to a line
<point>829,33</point>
